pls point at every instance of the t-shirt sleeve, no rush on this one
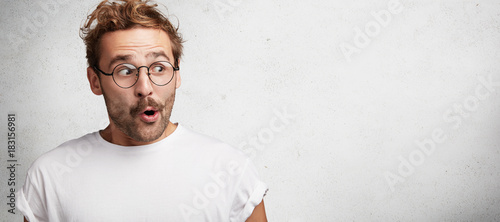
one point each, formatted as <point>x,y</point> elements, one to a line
<point>30,201</point>
<point>249,193</point>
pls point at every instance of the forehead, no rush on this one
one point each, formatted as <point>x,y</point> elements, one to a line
<point>135,42</point>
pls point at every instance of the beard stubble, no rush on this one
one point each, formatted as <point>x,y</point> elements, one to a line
<point>126,119</point>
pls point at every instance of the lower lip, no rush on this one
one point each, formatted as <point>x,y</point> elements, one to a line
<point>150,118</point>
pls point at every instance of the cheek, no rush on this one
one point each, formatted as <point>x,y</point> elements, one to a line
<point>165,92</point>
<point>117,98</point>
<point>109,87</point>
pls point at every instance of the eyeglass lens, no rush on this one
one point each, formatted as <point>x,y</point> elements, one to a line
<point>126,75</point>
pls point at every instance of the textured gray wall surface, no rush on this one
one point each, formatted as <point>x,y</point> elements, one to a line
<point>351,110</point>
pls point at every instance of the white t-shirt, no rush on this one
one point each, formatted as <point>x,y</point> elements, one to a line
<point>184,177</point>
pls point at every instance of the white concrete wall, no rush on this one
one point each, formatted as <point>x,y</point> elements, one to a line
<point>349,148</point>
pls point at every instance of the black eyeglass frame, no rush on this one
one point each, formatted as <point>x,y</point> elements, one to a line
<point>138,71</point>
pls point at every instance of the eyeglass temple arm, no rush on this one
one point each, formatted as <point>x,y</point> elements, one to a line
<point>108,74</point>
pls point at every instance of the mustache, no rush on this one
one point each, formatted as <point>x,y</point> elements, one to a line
<point>143,103</point>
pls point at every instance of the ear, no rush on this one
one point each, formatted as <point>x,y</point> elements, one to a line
<point>177,79</point>
<point>95,84</point>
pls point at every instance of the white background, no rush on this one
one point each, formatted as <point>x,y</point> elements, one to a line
<point>355,120</point>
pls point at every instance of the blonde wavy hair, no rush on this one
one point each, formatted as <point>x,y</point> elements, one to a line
<point>111,16</point>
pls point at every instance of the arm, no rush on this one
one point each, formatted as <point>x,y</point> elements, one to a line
<point>259,214</point>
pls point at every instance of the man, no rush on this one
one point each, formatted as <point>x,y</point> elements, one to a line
<point>141,167</point>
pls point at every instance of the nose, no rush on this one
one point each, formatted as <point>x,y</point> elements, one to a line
<point>143,87</point>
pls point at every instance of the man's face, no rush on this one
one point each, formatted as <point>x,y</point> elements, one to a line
<point>141,112</point>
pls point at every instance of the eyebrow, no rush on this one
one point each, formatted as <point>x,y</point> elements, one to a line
<point>126,58</point>
<point>158,54</point>
<point>118,58</point>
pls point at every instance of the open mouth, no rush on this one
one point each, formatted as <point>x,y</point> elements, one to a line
<point>149,115</point>
<point>149,112</point>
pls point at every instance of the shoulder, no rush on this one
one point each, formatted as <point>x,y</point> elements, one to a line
<point>190,135</point>
<point>207,147</point>
<point>202,141</point>
<point>225,166</point>
<point>64,153</point>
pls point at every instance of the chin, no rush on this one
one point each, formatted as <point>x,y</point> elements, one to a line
<point>150,132</point>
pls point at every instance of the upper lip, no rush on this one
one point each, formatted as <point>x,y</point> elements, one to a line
<point>149,108</point>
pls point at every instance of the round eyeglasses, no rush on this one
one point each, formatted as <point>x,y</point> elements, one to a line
<point>126,75</point>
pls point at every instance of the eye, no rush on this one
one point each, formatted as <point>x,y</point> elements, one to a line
<point>125,70</point>
<point>157,68</point>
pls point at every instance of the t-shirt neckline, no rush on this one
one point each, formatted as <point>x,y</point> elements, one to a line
<point>141,148</point>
